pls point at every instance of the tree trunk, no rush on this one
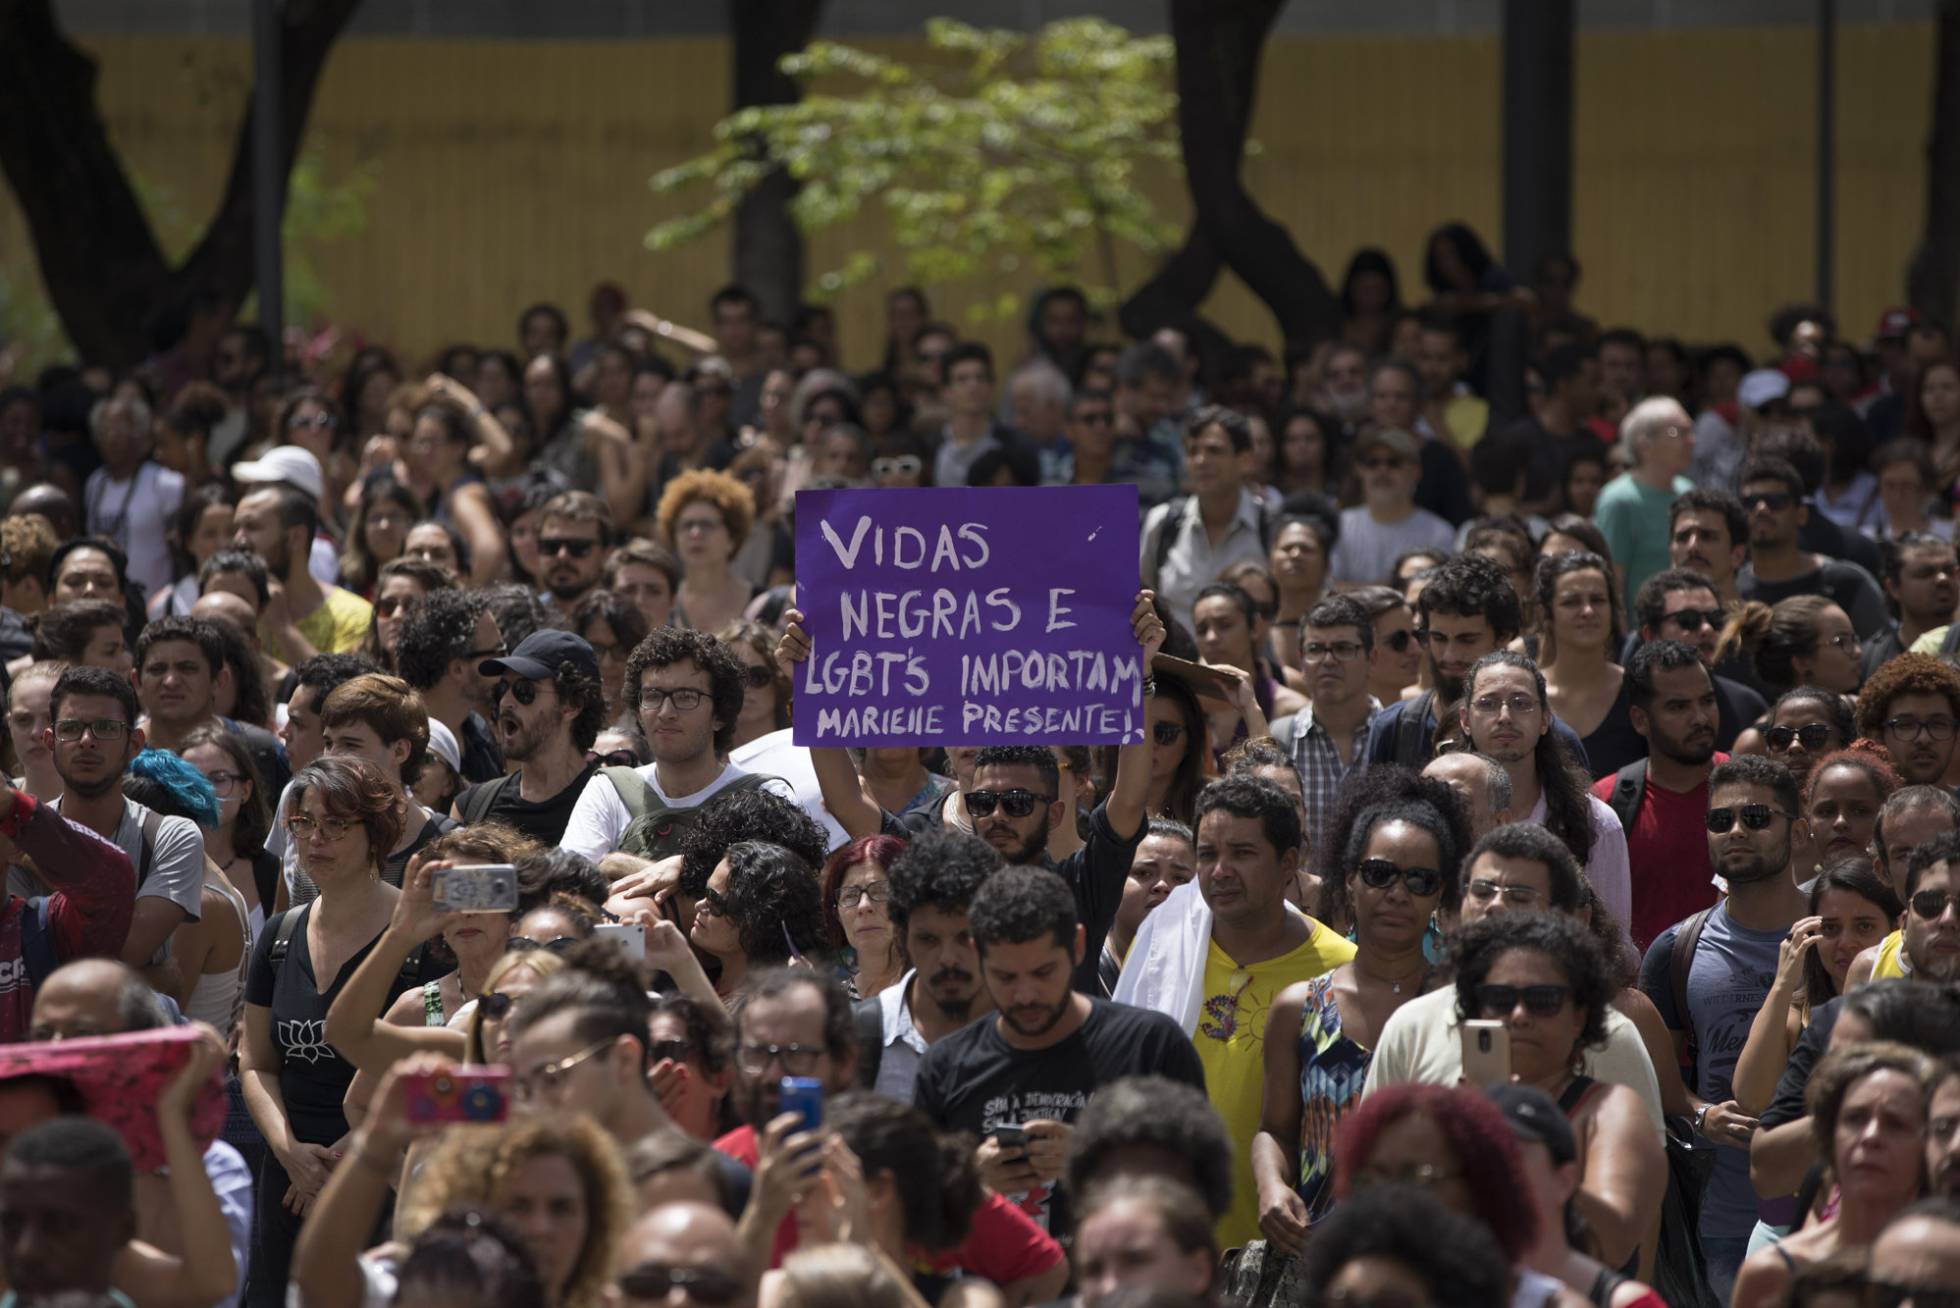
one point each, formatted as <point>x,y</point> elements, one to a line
<point>768,254</point>
<point>105,273</point>
<point>1536,125</point>
<point>1934,280</point>
<point>1218,46</point>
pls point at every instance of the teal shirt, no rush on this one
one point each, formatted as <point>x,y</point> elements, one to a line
<point>1634,520</point>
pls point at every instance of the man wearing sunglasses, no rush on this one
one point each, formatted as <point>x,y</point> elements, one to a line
<point>445,638</point>
<point>686,1249</point>
<point>1912,707</point>
<point>1709,996</point>
<point>94,736</point>
<point>1911,817</point>
<point>1773,497</point>
<point>1387,521</point>
<point>1681,604</point>
<point>549,706</point>
<point>574,530</point>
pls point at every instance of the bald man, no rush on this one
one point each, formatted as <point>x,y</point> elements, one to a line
<point>678,1247</point>
<point>1481,782</point>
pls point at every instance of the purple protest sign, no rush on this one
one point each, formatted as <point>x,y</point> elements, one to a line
<point>985,616</point>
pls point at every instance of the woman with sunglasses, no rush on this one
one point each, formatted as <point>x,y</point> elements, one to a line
<point>1542,976</point>
<point>401,582</point>
<point>899,462</point>
<point>760,908</point>
<point>377,533</point>
<point>1180,751</point>
<point>1396,667</point>
<point>308,419</point>
<point>704,517</point>
<point>690,1061</point>
<point>765,690</point>
<point>1867,1106</point>
<point>1579,636</point>
<point>1399,874</point>
<point>1803,726</point>
<point>342,819</point>
<point>856,892</point>
<point>1851,909</point>
<point>559,1182</point>
<point>485,1038</point>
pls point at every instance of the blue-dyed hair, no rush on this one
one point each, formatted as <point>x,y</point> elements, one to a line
<point>160,780</point>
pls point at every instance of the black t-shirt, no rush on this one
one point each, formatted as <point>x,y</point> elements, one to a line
<point>1846,585</point>
<point>483,759</point>
<point>313,1077</point>
<point>543,822</point>
<point>974,1081</point>
<point>395,866</point>
<point>268,755</point>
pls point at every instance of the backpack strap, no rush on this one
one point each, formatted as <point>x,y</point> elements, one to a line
<point>282,926</point>
<point>632,789</point>
<point>483,797</point>
<point>1629,791</point>
<point>1166,536</point>
<point>869,1015</point>
<point>152,824</point>
<point>1686,940</point>
<point>1411,730</point>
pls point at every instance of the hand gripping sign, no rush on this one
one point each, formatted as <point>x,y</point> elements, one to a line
<point>983,616</point>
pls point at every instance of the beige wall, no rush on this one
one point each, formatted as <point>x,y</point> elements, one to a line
<point>509,171</point>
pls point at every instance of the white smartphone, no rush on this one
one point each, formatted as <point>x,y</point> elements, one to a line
<point>630,937</point>
<point>1486,1052</point>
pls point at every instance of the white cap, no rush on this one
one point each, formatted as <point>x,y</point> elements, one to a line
<point>1763,386</point>
<point>289,464</point>
<point>442,743</point>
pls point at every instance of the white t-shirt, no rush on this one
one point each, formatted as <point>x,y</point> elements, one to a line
<point>600,818</point>
<point>133,514</point>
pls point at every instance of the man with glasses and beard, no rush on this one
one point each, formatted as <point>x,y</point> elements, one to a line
<point>549,707</point>
<point>574,531</point>
<point>932,884</point>
<point>445,637</point>
<point>1466,609</point>
<point>1911,706</point>
<point>93,736</point>
<point>1732,952</point>
<point>1018,1079</point>
<point>1659,799</point>
<point>1329,737</point>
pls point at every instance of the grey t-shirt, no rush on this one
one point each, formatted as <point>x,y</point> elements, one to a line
<point>176,862</point>
<point>1367,548</point>
<point>1728,980</point>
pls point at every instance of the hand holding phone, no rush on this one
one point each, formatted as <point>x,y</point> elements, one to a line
<point>476,888</point>
<point>630,937</point>
<point>1486,1052</point>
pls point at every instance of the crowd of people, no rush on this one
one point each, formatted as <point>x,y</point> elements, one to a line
<point>1537,882</point>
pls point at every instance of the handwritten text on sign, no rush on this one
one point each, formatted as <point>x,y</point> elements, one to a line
<point>994,615</point>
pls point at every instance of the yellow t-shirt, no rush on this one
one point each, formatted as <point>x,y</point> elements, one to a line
<point>1891,953</point>
<point>1231,1043</point>
<point>338,626</point>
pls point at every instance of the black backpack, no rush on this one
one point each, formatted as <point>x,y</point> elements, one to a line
<point>656,826</point>
<point>1629,790</point>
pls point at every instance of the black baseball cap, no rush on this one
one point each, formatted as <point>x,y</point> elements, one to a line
<point>1536,1119</point>
<point>539,655</point>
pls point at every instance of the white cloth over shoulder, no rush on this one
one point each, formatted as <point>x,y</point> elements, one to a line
<point>1165,970</point>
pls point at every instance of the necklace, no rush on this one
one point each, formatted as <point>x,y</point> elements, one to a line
<point>1394,983</point>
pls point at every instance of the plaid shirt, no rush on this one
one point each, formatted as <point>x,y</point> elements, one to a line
<point>1319,764</point>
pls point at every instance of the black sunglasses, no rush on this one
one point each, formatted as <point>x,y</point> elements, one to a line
<point>1380,874</point>
<point>1167,733</point>
<point>661,1051</point>
<point>655,1282</point>
<point>496,1007</point>
<point>759,678</point>
<point>619,758</point>
<point>1399,640</point>
<point>1929,904</point>
<point>1754,817</point>
<point>1539,1001</point>
<point>524,944</point>
<point>1695,619</point>
<point>1811,737</point>
<point>578,549</point>
<point>1774,501</point>
<point>524,692</point>
<point>1015,803</point>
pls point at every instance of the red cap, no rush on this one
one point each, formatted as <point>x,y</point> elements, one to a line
<point>1893,324</point>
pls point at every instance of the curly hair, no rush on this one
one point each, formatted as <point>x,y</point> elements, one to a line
<point>1481,1143</point>
<point>729,497</point>
<point>437,630</point>
<point>879,851</point>
<point>939,869</point>
<point>1450,1253</point>
<point>1905,674</point>
<point>350,789</point>
<point>468,1255</point>
<point>748,813</point>
<point>1472,586</point>
<point>1021,904</point>
<point>726,679</point>
<point>772,894</point>
<point>1479,945</point>
<point>1555,566</point>
<point>476,1164</point>
<point>1868,757</point>
<point>1363,789</point>
<point>1160,1113</point>
<point>1449,858</point>
<point>1843,1068</point>
<point>937,1181</point>
<point>1250,797</point>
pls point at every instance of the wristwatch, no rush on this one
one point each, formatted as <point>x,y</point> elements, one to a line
<point>1701,1119</point>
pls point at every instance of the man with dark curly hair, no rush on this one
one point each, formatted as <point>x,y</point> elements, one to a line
<point>549,707</point>
<point>1911,706</point>
<point>686,688</point>
<point>445,637</point>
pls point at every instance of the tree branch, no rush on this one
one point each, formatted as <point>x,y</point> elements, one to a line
<point>1934,280</point>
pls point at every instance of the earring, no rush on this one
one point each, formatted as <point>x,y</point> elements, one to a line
<point>1432,942</point>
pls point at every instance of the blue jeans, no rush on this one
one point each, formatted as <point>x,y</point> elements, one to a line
<point>1724,1255</point>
